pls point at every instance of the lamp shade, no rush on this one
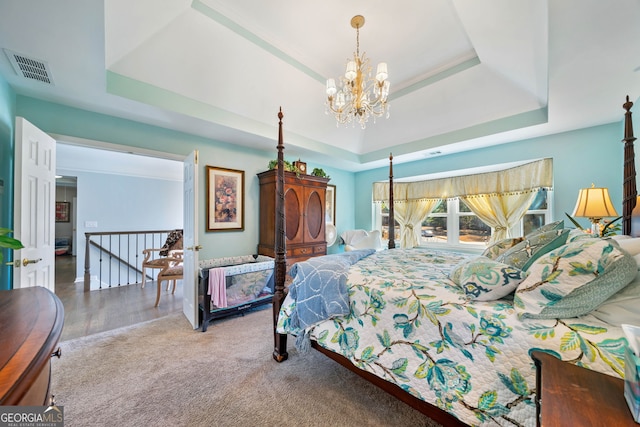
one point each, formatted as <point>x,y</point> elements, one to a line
<point>594,203</point>
<point>635,219</point>
<point>381,73</point>
<point>331,87</point>
<point>351,72</point>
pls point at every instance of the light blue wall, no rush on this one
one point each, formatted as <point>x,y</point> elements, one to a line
<point>344,182</point>
<point>581,157</point>
<point>7,115</point>
<point>58,119</point>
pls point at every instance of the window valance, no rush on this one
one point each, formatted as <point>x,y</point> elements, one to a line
<point>526,177</point>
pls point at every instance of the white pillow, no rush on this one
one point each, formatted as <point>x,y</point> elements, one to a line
<point>350,235</point>
<point>623,306</point>
<point>620,237</point>
<point>370,240</point>
<point>631,245</point>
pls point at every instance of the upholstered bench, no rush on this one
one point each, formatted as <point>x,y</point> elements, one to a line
<point>232,285</point>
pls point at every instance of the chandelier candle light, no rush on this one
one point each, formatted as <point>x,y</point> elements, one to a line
<point>360,96</point>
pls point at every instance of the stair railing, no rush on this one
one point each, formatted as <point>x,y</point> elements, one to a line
<point>119,255</point>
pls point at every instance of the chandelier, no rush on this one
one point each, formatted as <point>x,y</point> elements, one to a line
<point>360,95</point>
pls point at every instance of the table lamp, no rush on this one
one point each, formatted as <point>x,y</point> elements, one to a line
<point>594,203</point>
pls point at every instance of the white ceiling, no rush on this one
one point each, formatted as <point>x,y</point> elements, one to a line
<point>464,74</point>
<point>74,158</point>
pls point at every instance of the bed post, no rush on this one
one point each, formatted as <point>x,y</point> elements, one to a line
<point>280,340</point>
<point>392,221</point>
<point>629,183</point>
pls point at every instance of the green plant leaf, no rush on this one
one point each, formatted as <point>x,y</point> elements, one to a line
<point>609,228</point>
<point>10,242</point>
<point>574,221</point>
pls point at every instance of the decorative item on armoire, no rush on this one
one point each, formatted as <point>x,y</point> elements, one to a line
<point>300,166</point>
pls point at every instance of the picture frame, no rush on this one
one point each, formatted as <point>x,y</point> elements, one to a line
<point>225,199</point>
<point>62,212</point>
<point>330,204</point>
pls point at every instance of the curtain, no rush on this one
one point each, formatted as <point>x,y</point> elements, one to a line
<point>500,211</point>
<point>410,215</point>
<point>523,177</point>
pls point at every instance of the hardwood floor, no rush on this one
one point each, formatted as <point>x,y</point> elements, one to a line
<point>87,313</point>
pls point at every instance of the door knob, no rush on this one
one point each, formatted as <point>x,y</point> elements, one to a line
<point>194,248</point>
<point>26,261</point>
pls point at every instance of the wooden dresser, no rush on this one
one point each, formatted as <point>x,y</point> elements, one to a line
<point>304,201</point>
<point>31,322</point>
<point>569,395</point>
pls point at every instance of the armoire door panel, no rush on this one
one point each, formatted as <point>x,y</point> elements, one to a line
<point>293,214</point>
<point>314,215</point>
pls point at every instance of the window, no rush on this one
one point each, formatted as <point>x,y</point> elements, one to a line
<point>538,214</point>
<point>434,228</point>
<point>382,221</point>
<point>453,224</point>
<point>471,230</point>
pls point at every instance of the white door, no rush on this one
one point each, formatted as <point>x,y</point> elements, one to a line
<point>190,242</point>
<point>34,212</point>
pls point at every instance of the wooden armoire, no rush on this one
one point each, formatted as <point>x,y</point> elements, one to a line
<point>304,200</point>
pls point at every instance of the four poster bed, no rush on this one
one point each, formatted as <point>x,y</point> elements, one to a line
<point>451,334</point>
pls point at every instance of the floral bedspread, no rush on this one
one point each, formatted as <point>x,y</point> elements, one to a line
<point>412,326</point>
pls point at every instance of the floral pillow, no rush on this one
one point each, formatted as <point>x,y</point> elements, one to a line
<point>522,255</point>
<point>577,234</point>
<point>484,279</point>
<point>501,246</point>
<point>456,271</point>
<point>574,279</point>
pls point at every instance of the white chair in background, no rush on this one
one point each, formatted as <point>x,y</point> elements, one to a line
<point>362,239</point>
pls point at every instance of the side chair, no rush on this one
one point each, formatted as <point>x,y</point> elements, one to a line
<point>171,272</point>
<point>171,245</point>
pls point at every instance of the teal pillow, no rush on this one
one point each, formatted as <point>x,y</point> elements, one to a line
<point>484,279</point>
<point>556,225</point>
<point>574,279</point>
<point>522,255</point>
<point>496,249</point>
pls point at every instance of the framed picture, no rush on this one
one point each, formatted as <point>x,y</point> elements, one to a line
<point>62,211</point>
<point>225,199</point>
<point>330,205</point>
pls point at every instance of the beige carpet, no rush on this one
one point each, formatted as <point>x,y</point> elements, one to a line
<point>162,373</point>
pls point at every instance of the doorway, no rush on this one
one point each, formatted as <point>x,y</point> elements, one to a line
<point>112,191</point>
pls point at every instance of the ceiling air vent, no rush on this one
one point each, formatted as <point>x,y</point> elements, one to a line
<point>30,68</point>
